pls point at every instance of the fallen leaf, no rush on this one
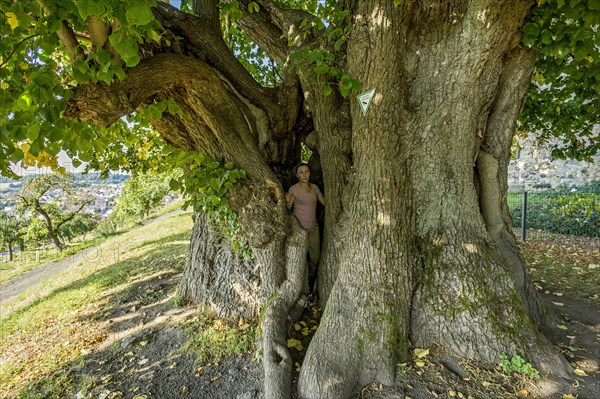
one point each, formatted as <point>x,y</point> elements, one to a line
<point>580,373</point>
<point>451,393</point>
<point>568,396</point>
<point>523,393</point>
<point>420,352</point>
<point>294,343</point>
<point>419,363</point>
<point>558,303</point>
<point>562,327</point>
<point>185,389</point>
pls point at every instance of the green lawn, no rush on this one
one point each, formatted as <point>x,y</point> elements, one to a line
<point>52,325</point>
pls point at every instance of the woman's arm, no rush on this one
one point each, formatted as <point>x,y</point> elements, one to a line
<point>320,196</point>
<point>289,199</point>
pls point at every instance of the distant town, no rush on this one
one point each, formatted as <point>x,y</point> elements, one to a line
<point>105,191</point>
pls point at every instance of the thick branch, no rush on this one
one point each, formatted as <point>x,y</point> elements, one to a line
<point>69,40</point>
<point>274,29</point>
<point>102,104</point>
<point>210,43</point>
<point>98,31</point>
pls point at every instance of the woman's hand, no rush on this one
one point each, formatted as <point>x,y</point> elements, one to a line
<point>289,198</point>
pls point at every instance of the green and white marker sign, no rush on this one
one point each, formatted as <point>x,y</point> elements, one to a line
<point>364,100</point>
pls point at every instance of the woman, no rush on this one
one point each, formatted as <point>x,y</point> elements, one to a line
<point>303,197</point>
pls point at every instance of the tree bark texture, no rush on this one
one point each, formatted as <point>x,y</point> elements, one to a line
<point>417,243</point>
<point>415,240</point>
<point>216,278</point>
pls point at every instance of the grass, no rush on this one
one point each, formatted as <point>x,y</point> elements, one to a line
<point>46,329</point>
<point>213,339</point>
<point>31,258</point>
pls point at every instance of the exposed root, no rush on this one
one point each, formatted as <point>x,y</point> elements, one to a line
<point>278,363</point>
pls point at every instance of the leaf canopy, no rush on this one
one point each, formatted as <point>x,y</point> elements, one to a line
<point>47,50</point>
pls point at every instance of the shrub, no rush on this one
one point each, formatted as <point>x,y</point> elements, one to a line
<point>573,214</point>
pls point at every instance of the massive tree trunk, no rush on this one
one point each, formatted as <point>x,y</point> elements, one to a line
<point>417,246</point>
<point>418,260</point>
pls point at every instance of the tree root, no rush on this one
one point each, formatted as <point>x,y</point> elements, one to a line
<point>278,365</point>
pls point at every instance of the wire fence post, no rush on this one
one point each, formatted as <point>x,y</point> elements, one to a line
<point>524,217</point>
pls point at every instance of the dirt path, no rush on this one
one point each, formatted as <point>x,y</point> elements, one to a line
<point>37,275</point>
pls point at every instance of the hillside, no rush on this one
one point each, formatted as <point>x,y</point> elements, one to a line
<point>110,326</point>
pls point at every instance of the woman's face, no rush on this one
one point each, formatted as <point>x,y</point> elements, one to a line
<point>303,173</point>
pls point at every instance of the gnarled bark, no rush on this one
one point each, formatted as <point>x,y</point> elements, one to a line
<point>216,277</point>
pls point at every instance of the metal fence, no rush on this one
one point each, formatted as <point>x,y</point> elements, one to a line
<point>540,213</point>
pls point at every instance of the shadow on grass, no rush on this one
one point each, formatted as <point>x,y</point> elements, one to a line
<point>148,277</point>
<point>140,352</point>
<point>162,255</point>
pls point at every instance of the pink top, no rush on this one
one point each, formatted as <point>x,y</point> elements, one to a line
<point>305,205</point>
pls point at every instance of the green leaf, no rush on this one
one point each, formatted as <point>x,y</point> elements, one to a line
<point>546,36</point>
<point>24,102</point>
<point>154,112</point>
<point>215,184</point>
<point>253,7</point>
<point>33,132</point>
<point>90,7</point>
<point>531,29</point>
<point>583,35</point>
<point>174,109</point>
<point>139,13</point>
<point>127,47</point>
<point>321,69</point>
<point>327,90</point>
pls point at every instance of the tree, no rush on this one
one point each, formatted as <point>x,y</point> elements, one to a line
<point>55,212</point>
<point>140,195</point>
<point>417,244</point>
<point>10,232</point>
<point>81,224</point>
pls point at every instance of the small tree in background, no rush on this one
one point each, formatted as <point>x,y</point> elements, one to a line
<point>141,194</point>
<point>53,198</point>
<point>81,224</point>
<point>11,232</point>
